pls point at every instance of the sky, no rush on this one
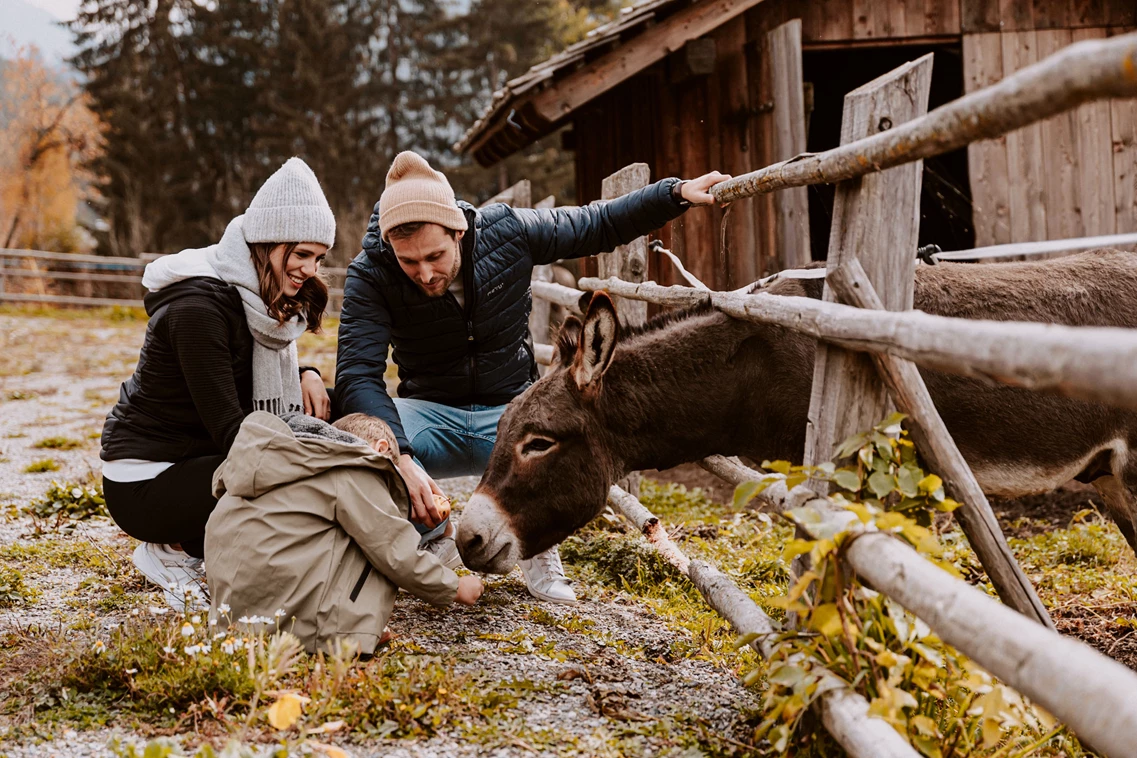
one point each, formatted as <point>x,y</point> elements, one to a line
<point>64,10</point>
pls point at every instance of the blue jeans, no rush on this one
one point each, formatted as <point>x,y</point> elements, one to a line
<point>449,440</point>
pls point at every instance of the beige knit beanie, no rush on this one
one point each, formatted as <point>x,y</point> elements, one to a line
<point>416,192</point>
<point>290,207</point>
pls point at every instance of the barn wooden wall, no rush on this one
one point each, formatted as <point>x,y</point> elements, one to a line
<point>1074,175</point>
<point>1071,176</point>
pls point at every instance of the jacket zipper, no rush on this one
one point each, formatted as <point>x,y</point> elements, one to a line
<point>468,314</point>
<point>359,584</point>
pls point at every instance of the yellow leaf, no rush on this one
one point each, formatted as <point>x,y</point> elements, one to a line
<point>930,484</point>
<point>283,713</point>
<point>825,620</point>
<point>992,733</point>
<point>327,728</point>
<point>796,547</point>
<point>331,751</point>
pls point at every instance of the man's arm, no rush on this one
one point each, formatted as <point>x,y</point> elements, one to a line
<point>361,354</point>
<point>557,233</point>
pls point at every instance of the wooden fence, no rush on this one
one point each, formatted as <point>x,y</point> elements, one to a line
<point>866,311</point>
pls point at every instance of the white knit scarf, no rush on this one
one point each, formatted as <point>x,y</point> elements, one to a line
<point>276,371</point>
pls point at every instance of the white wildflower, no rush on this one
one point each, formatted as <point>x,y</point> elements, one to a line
<point>132,671</point>
<point>192,650</point>
<point>196,619</point>
<point>206,648</point>
<point>279,612</point>
<point>263,620</point>
<point>169,650</point>
<point>218,636</point>
<point>187,630</point>
<point>158,611</point>
<point>213,622</point>
<point>223,608</point>
<point>76,493</point>
<point>247,620</point>
<point>99,647</point>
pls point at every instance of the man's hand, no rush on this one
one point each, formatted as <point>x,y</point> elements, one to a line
<point>470,588</point>
<point>422,490</point>
<point>316,402</point>
<point>694,191</point>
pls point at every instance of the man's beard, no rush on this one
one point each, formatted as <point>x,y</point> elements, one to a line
<point>439,289</point>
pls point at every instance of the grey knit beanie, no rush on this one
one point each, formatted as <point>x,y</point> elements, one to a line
<point>290,207</point>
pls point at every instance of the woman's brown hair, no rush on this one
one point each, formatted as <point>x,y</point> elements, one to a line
<point>309,302</point>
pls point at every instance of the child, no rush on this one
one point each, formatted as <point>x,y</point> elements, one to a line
<point>312,520</point>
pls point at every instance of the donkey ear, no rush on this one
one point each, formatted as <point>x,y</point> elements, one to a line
<point>567,340</point>
<point>597,342</point>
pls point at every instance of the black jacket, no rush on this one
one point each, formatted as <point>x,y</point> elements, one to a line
<point>477,354</point>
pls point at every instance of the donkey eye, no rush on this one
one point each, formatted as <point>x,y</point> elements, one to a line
<point>536,445</point>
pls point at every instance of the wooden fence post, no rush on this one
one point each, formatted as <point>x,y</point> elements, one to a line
<point>627,262</point>
<point>878,216</point>
<point>539,314</point>
<point>791,207</point>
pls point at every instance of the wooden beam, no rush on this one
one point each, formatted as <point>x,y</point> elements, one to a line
<point>791,208</point>
<point>852,286</point>
<point>1083,72</point>
<point>1048,248</point>
<point>563,97</point>
<point>878,213</point>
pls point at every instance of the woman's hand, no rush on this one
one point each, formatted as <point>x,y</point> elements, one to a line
<point>422,490</point>
<point>316,400</point>
<point>694,191</point>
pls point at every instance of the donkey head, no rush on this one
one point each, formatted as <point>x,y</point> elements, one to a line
<point>552,464</point>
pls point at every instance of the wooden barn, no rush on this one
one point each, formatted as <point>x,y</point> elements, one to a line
<point>688,86</point>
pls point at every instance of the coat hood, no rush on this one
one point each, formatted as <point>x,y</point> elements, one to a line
<point>267,454</point>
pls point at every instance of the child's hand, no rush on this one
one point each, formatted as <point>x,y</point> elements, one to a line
<point>470,588</point>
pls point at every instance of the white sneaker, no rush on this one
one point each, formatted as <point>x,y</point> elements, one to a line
<point>545,577</point>
<point>446,551</point>
<point>180,575</point>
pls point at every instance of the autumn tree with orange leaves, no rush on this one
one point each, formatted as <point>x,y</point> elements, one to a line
<point>47,137</point>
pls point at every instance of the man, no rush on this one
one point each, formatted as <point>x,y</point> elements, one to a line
<point>448,286</point>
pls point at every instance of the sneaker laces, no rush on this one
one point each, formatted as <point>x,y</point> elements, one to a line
<point>549,564</point>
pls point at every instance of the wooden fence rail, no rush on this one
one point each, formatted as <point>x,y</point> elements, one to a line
<point>1091,363</point>
<point>1081,73</point>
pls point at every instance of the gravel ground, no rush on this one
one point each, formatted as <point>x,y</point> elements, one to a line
<point>59,377</point>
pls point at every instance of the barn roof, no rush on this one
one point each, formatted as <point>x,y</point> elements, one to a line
<point>540,101</point>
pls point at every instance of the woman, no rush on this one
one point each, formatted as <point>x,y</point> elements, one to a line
<point>220,344</point>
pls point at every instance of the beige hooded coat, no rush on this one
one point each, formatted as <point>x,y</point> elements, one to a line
<point>317,528</point>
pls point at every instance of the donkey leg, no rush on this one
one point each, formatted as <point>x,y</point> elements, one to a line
<point>1121,501</point>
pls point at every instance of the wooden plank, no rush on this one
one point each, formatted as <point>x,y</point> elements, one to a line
<point>987,159</point>
<point>1060,150</point>
<point>791,208</point>
<point>562,98</point>
<point>1123,128</point>
<point>1088,13</point>
<point>737,152</point>
<point>935,443</point>
<point>1121,14</point>
<point>761,83</point>
<point>878,213</point>
<point>1016,15</point>
<point>977,16</point>
<point>1026,200</point>
<point>864,22</point>
<point>540,311</point>
<point>835,21</point>
<point>628,262</point>
<point>1051,14</point>
<point>697,223</point>
<point>914,20</point>
<point>1095,158</point>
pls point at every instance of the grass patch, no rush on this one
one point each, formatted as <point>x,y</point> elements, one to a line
<point>58,443</point>
<point>21,395</point>
<point>50,554</point>
<point>14,590</point>
<point>41,467</point>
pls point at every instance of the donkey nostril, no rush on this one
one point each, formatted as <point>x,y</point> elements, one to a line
<point>474,542</point>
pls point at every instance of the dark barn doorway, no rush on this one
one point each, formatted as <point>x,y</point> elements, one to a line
<point>945,200</point>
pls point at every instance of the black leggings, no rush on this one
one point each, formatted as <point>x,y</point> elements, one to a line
<point>171,508</point>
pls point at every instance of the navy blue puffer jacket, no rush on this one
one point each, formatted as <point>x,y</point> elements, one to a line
<point>479,353</point>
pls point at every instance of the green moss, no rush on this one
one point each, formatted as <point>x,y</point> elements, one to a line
<point>40,467</point>
<point>58,443</point>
